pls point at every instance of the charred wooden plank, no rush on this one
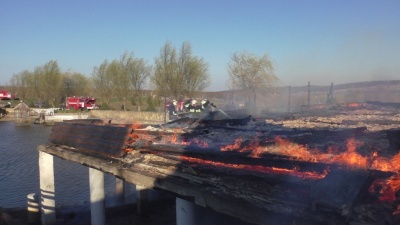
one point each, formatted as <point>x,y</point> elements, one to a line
<point>215,155</point>
<point>97,139</point>
<point>393,137</point>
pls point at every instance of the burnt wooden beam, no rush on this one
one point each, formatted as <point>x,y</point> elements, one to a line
<point>232,157</point>
<point>93,138</point>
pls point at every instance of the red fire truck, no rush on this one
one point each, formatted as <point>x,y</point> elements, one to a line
<point>80,103</point>
<point>5,95</point>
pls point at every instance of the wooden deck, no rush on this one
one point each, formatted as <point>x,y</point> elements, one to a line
<point>253,198</point>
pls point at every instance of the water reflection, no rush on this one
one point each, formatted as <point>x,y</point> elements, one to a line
<point>19,170</point>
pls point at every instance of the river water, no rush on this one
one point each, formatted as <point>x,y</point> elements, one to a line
<point>19,169</point>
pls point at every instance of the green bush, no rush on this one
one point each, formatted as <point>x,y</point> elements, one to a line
<point>150,105</point>
<point>133,101</point>
<point>105,106</point>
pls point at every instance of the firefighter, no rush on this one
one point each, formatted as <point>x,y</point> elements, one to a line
<point>172,110</point>
<point>187,104</point>
<point>193,107</point>
<point>205,105</point>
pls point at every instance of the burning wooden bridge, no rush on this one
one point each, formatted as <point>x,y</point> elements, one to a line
<point>259,173</point>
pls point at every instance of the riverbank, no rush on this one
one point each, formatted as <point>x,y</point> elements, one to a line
<point>9,116</point>
<point>110,116</point>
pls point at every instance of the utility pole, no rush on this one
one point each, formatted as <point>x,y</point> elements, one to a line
<point>290,94</point>
<point>308,98</point>
<point>329,99</point>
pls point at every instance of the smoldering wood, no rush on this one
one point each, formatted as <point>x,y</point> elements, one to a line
<point>153,161</point>
<point>247,197</point>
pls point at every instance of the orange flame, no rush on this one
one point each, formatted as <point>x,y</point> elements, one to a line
<point>351,158</point>
<point>136,126</point>
<point>233,146</point>
<point>258,168</point>
<point>174,138</point>
<point>353,104</point>
<point>388,188</point>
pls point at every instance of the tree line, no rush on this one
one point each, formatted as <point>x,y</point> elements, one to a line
<point>176,73</point>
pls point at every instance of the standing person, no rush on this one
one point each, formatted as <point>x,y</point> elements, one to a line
<point>193,107</point>
<point>205,105</point>
<point>172,110</point>
<point>187,103</point>
<point>180,104</point>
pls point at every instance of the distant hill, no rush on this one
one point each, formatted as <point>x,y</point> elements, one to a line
<point>278,98</point>
<point>366,84</point>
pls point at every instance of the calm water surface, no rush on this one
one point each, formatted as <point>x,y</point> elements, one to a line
<point>19,170</point>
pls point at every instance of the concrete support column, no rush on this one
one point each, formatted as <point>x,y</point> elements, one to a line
<point>185,212</point>
<point>33,209</point>
<point>142,195</point>
<point>119,191</point>
<point>47,191</point>
<point>97,197</point>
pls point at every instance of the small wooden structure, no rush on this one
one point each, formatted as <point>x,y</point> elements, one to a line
<point>22,114</point>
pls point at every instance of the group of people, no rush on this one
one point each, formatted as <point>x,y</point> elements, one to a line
<point>189,105</point>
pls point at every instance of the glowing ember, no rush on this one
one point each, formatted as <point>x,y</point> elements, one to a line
<point>174,138</point>
<point>262,169</point>
<point>233,146</point>
<point>353,104</point>
<point>136,126</point>
<point>200,143</point>
<point>387,188</point>
<point>350,158</point>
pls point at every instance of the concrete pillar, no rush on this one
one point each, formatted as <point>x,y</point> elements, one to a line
<point>185,212</point>
<point>97,197</point>
<point>33,209</point>
<point>119,191</point>
<point>142,195</point>
<point>47,191</point>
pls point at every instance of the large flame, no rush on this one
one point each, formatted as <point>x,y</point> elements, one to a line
<point>350,157</point>
<point>388,189</point>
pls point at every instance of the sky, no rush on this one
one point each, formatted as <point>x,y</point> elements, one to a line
<point>316,41</point>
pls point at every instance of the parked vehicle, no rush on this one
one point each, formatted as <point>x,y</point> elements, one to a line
<point>5,95</point>
<point>83,103</point>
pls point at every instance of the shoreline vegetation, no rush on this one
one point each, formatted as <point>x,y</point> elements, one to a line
<point>111,116</point>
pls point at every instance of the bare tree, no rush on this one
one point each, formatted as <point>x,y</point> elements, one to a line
<point>119,81</point>
<point>251,73</point>
<point>51,81</point>
<point>35,83</point>
<point>101,82</point>
<point>137,71</point>
<point>75,84</point>
<point>165,71</point>
<point>20,84</point>
<point>193,71</point>
<point>180,73</point>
